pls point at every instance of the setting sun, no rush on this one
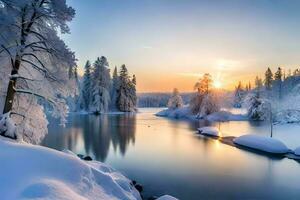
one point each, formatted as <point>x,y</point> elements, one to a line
<point>217,84</point>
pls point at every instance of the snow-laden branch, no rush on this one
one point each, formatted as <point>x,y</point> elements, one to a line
<point>16,76</point>
<point>34,93</point>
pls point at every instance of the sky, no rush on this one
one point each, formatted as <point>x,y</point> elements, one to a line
<point>171,43</point>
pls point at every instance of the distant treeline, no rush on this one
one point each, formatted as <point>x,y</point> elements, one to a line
<point>159,99</point>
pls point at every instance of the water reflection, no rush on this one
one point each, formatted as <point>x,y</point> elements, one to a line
<point>93,135</point>
<point>167,157</point>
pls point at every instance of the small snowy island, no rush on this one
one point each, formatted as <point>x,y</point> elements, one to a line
<point>262,143</point>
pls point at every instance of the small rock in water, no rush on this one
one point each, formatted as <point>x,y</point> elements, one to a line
<point>133,182</point>
<point>139,188</point>
<point>87,158</point>
<point>80,156</point>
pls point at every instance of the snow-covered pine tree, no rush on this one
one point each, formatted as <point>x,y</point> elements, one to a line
<point>133,94</point>
<point>257,108</point>
<point>114,90</point>
<point>86,88</point>
<point>268,79</point>
<point>100,86</point>
<point>175,100</point>
<point>35,63</point>
<point>126,100</point>
<point>278,82</point>
<point>239,95</point>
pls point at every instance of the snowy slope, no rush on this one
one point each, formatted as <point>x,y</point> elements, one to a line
<point>28,171</point>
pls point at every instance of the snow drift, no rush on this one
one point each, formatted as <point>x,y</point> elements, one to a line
<point>262,143</point>
<point>34,172</point>
<point>209,130</point>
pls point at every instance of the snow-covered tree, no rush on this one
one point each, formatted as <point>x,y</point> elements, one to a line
<point>86,90</point>
<point>278,82</point>
<point>209,105</point>
<point>127,98</point>
<point>35,63</point>
<point>100,86</point>
<point>204,85</point>
<point>114,89</point>
<point>175,100</point>
<point>239,95</point>
<point>258,109</point>
<point>268,79</point>
<point>204,101</point>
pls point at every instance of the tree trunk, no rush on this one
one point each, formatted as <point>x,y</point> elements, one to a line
<point>10,94</point>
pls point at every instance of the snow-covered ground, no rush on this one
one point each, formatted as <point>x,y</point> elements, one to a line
<point>185,113</point>
<point>35,172</point>
<point>262,143</point>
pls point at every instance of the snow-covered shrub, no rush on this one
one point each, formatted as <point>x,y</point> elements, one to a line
<point>258,109</point>
<point>175,100</point>
<point>7,126</point>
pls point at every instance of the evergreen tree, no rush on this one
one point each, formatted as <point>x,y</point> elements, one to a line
<point>278,82</point>
<point>85,96</point>
<point>114,89</point>
<point>127,99</point>
<point>268,79</point>
<point>238,95</point>
<point>258,83</point>
<point>101,86</point>
<point>175,100</point>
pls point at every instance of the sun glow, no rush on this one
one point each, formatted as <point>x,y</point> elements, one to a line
<point>217,84</point>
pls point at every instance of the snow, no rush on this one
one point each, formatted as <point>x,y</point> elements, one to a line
<point>262,143</point>
<point>287,116</point>
<point>209,130</point>
<point>185,113</point>
<point>35,172</point>
<point>7,126</point>
<point>166,197</point>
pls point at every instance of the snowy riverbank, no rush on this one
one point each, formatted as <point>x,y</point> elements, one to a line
<point>30,171</point>
<point>185,113</point>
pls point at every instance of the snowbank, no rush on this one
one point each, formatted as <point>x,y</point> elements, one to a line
<point>166,197</point>
<point>209,130</point>
<point>185,113</point>
<point>262,143</point>
<point>179,113</point>
<point>34,172</point>
<point>287,116</point>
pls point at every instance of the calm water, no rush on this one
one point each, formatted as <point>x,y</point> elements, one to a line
<point>167,157</point>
